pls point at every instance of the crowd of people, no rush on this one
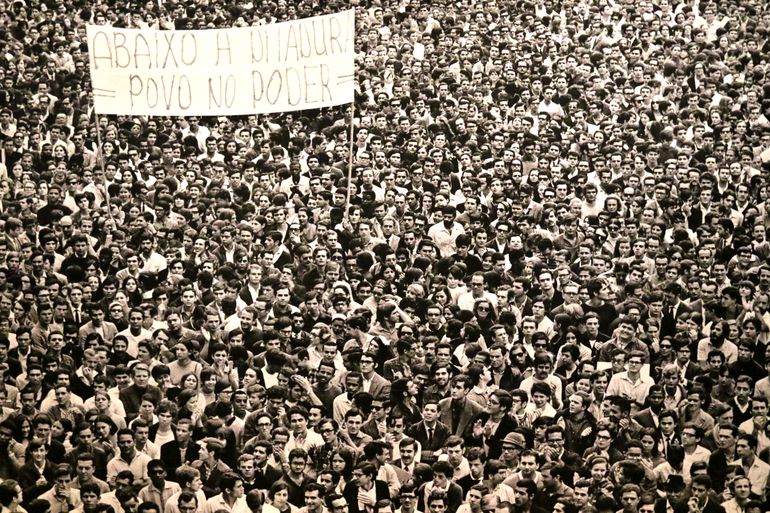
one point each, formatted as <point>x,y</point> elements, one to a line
<point>545,288</point>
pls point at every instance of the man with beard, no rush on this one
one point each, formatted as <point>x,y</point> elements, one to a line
<point>445,234</point>
<point>440,388</point>
<point>717,340</point>
<point>324,389</point>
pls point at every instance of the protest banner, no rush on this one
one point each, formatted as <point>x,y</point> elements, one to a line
<point>295,65</point>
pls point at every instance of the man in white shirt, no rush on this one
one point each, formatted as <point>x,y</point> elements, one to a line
<point>159,490</point>
<point>128,459</point>
<point>232,497</point>
<point>631,383</point>
<point>445,233</point>
<point>467,300</point>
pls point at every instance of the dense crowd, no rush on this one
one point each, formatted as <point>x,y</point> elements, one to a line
<point>545,288</point>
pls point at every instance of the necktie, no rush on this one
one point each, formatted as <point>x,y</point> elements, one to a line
<point>430,436</point>
<point>77,316</point>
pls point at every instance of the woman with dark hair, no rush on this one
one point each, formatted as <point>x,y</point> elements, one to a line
<point>105,430</point>
<point>403,399</point>
<point>22,435</point>
<point>650,439</point>
<point>605,433</point>
<point>342,462</point>
<point>665,354</point>
<point>485,314</point>
<point>133,291</point>
<point>188,402</point>
<point>389,279</point>
<point>278,498</point>
<point>61,430</point>
<point>164,430</point>
<point>21,310</point>
<point>442,296</point>
<point>230,452</point>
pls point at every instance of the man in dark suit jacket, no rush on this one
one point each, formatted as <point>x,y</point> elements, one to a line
<point>364,480</point>
<point>378,386</point>
<point>476,458</point>
<point>442,475</point>
<point>648,416</point>
<point>399,367</point>
<point>429,432</point>
<point>264,473</point>
<point>691,369</point>
<point>458,412</point>
<point>182,450</point>
<point>370,428</point>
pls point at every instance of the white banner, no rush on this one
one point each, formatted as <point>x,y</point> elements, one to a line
<point>295,65</point>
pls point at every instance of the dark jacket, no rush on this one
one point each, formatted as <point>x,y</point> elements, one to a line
<point>351,494</point>
<point>263,480</point>
<point>172,456</point>
<point>429,450</point>
<point>28,476</point>
<point>454,498</point>
<point>470,411</point>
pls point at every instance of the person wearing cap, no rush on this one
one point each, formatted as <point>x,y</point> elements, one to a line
<point>675,495</point>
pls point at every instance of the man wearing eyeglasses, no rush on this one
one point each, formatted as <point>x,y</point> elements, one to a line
<point>364,490</point>
<point>477,292</point>
<point>631,383</point>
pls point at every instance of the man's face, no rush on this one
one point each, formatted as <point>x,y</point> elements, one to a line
<point>141,377</point>
<point>742,487</point>
<point>430,412</point>
<point>581,496</point>
<point>441,376</point>
<point>126,444</point>
<point>528,466</point>
<point>521,496</point>
<point>354,424</point>
<point>758,409</point>
<point>629,500</point>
